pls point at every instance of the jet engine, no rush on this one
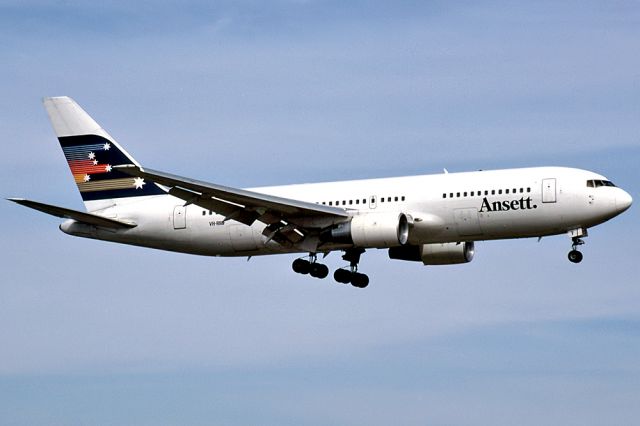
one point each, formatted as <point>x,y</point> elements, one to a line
<point>370,230</point>
<point>435,254</point>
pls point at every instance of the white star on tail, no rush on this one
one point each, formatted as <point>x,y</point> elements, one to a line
<point>107,146</point>
<point>138,182</point>
<point>107,168</point>
<point>87,178</point>
<point>92,156</point>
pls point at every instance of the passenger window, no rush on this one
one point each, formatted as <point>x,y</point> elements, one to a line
<point>486,192</point>
<point>444,195</point>
<point>506,191</point>
<point>358,201</point>
<point>403,198</point>
<point>350,202</point>
<point>528,189</point>
<point>472,193</point>
<point>204,212</point>
<point>500,191</point>
<point>521,190</point>
<point>395,199</point>
<point>451,195</point>
<point>458,194</point>
<point>382,199</point>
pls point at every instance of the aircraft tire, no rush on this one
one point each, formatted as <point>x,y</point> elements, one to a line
<point>359,280</point>
<point>342,276</point>
<point>301,266</point>
<point>319,270</point>
<point>575,256</point>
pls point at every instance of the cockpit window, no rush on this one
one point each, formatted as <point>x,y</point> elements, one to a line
<point>595,183</point>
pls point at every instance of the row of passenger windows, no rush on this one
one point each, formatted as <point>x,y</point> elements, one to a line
<point>362,201</point>
<point>596,183</point>
<point>485,192</point>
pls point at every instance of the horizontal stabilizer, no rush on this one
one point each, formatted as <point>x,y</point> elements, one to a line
<point>88,218</point>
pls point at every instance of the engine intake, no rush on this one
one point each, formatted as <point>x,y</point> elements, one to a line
<point>371,230</point>
<point>435,254</point>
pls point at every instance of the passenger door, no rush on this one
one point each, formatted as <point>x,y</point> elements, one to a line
<point>549,190</point>
<point>179,217</point>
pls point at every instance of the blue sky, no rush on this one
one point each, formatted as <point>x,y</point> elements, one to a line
<point>259,93</point>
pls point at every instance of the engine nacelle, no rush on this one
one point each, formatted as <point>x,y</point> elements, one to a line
<point>371,230</point>
<point>435,254</point>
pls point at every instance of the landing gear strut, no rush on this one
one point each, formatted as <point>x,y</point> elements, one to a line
<point>575,255</point>
<point>351,275</point>
<point>311,267</point>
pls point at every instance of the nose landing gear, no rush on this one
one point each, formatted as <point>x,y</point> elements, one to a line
<point>575,256</point>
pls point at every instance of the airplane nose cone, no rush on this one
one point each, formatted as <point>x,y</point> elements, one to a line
<point>623,201</point>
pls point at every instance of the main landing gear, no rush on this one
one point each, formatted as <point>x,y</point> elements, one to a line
<point>575,256</point>
<point>351,275</point>
<point>311,267</point>
<point>346,275</point>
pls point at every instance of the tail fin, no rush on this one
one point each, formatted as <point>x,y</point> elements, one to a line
<point>91,154</point>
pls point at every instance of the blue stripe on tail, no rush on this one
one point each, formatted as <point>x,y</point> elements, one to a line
<point>91,159</point>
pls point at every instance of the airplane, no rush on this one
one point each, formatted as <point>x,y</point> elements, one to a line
<point>434,219</point>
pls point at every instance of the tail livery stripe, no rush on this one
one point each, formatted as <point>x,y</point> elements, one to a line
<point>112,184</point>
<point>85,160</point>
<point>91,159</point>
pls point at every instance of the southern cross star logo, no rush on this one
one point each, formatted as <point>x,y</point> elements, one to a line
<point>106,146</point>
<point>138,182</point>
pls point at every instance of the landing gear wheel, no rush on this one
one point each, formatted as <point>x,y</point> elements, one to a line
<point>318,270</point>
<point>575,256</point>
<point>359,280</point>
<point>301,266</point>
<point>350,274</point>
<point>342,276</point>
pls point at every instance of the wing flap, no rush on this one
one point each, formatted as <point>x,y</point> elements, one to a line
<point>62,212</point>
<point>230,211</point>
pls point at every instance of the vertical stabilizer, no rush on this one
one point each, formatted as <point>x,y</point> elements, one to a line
<point>91,154</point>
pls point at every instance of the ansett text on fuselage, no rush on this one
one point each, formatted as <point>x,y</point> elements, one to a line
<point>506,205</point>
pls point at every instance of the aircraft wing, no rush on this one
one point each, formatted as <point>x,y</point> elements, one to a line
<point>91,219</point>
<point>288,220</point>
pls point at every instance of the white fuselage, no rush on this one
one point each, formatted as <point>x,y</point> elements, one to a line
<point>449,207</point>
